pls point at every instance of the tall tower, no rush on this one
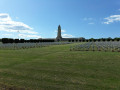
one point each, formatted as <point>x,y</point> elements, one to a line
<point>59,37</point>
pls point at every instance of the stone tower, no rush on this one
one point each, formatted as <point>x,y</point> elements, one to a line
<point>59,37</point>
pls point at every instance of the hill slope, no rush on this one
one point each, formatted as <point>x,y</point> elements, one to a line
<point>58,68</point>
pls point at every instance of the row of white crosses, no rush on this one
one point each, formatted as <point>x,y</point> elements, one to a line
<point>109,46</point>
<point>29,45</point>
<point>97,46</point>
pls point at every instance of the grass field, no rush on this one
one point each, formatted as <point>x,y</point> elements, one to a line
<point>58,68</point>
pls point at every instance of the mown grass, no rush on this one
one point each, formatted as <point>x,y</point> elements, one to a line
<point>58,68</point>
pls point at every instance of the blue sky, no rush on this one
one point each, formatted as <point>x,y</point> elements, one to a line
<point>78,18</point>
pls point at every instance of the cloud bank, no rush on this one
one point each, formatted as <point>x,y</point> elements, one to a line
<point>112,19</point>
<point>67,36</point>
<point>7,25</point>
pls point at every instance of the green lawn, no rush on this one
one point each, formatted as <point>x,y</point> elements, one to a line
<point>58,68</point>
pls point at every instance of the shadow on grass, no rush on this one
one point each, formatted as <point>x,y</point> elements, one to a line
<point>11,87</point>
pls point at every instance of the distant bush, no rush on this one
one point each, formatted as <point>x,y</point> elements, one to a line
<point>4,40</point>
<point>10,41</point>
<point>0,40</point>
<point>22,41</point>
<point>16,40</point>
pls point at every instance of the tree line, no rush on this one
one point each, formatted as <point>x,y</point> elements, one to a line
<point>9,40</point>
<point>103,39</point>
<point>94,40</point>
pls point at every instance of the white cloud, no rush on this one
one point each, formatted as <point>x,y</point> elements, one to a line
<point>29,36</point>
<point>17,17</point>
<point>67,36</point>
<point>27,31</point>
<point>6,34</point>
<point>118,9</point>
<point>63,31</point>
<point>10,26</point>
<point>91,23</point>
<point>4,17</point>
<point>112,18</point>
<point>87,19</point>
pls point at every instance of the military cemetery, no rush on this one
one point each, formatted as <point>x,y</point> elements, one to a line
<point>60,45</point>
<point>59,63</point>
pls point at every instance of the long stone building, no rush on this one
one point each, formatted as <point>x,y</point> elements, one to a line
<point>60,38</point>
